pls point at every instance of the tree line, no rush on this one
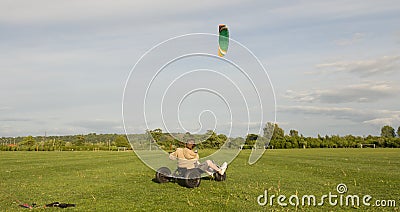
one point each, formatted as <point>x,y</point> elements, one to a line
<point>280,140</point>
<point>273,137</point>
<point>89,142</point>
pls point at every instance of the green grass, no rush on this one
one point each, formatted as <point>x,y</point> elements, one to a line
<point>119,181</point>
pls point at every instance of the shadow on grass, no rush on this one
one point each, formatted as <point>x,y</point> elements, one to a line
<point>179,180</point>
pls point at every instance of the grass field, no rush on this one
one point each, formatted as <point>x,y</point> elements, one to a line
<point>118,181</point>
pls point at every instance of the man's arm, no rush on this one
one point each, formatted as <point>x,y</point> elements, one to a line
<point>189,154</point>
<point>173,156</point>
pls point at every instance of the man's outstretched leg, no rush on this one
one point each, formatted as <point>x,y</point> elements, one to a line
<point>220,170</point>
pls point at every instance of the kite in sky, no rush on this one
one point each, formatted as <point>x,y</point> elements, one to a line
<point>223,41</point>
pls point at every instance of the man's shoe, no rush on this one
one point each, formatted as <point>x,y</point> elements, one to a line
<point>223,168</point>
<point>224,165</point>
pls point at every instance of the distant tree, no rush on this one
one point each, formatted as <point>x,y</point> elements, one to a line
<point>121,141</point>
<point>236,142</point>
<point>262,142</point>
<point>58,144</point>
<point>79,140</point>
<point>398,132</point>
<point>187,136</point>
<point>291,141</point>
<point>278,143</point>
<point>316,142</point>
<point>387,132</point>
<point>269,130</point>
<point>302,142</point>
<point>278,132</point>
<point>156,134</point>
<point>273,131</point>
<point>28,143</point>
<point>251,139</point>
<point>294,133</point>
<point>391,143</point>
<point>222,138</point>
<point>334,141</point>
<point>211,140</point>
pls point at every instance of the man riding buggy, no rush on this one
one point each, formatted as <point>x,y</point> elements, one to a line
<point>189,168</point>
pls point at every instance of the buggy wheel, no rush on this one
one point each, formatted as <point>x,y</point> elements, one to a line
<point>219,177</point>
<point>163,174</point>
<point>192,178</point>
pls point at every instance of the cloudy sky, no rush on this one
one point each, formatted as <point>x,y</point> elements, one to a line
<point>334,65</point>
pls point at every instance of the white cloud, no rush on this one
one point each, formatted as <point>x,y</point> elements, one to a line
<point>364,92</point>
<point>397,36</point>
<point>5,108</point>
<point>355,38</point>
<point>335,10</point>
<point>48,11</point>
<point>17,119</point>
<point>384,121</point>
<point>364,68</point>
<point>362,116</point>
<point>98,125</point>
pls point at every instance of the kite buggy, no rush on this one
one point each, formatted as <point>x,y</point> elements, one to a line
<point>186,177</point>
<point>189,169</point>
